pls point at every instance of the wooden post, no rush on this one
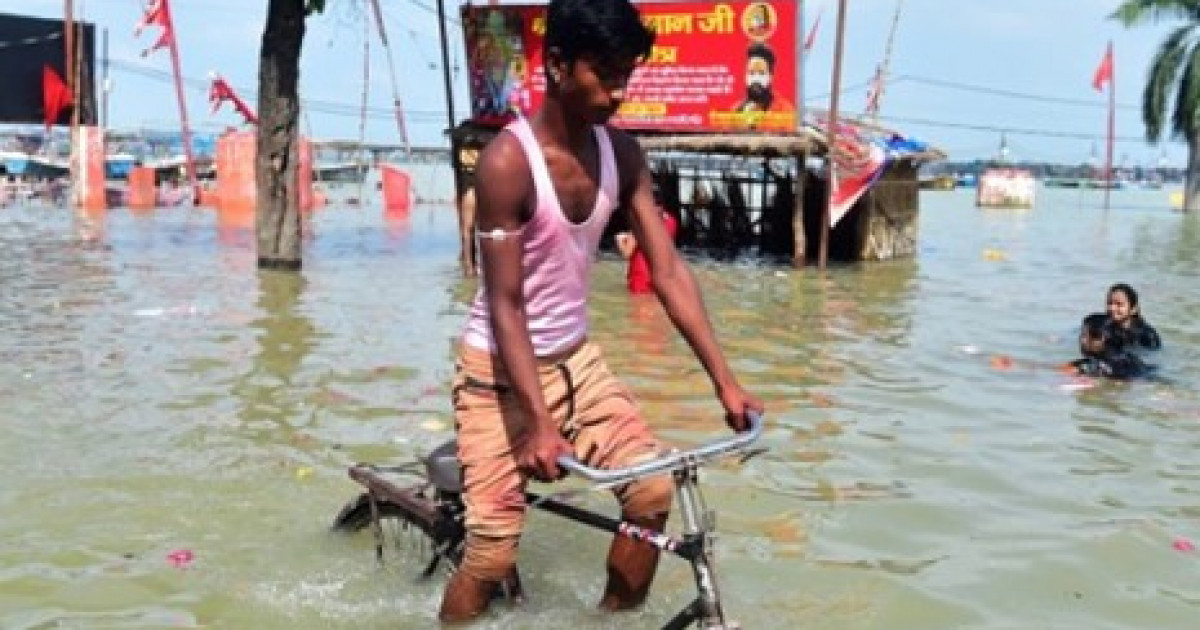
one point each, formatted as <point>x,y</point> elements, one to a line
<point>72,86</point>
<point>799,241</point>
<point>831,134</point>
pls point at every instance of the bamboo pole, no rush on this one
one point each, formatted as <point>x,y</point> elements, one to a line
<point>189,159</point>
<point>832,133</point>
<point>1112,126</point>
<point>441,15</point>
<point>799,255</point>
<point>69,70</point>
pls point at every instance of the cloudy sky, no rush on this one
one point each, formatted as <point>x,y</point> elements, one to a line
<point>961,70</point>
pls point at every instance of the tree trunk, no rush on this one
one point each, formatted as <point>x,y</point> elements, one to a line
<point>278,213</point>
<point>1191,182</point>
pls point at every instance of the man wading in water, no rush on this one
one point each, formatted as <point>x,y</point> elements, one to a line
<point>528,386</point>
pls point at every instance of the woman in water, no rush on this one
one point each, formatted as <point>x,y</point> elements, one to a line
<point>1130,329</point>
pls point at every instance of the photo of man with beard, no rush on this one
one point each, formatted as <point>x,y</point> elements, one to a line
<point>760,70</point>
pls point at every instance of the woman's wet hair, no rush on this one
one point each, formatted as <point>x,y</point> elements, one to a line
<point>606,29</point>
<point>1130,294</point>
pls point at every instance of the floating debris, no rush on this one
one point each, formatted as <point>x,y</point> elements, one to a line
<point>181,558</point>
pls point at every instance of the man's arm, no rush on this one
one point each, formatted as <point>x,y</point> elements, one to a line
<point>503,187</point>
<point>673,281</point>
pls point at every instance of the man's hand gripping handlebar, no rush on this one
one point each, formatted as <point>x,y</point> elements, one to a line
<point>671,461</point>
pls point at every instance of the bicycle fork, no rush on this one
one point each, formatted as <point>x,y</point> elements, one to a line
<point>698,525</point>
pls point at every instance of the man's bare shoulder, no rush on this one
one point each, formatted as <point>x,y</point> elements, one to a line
<point>503,159</point>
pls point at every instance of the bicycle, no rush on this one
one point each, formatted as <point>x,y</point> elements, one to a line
<point>432,508</point>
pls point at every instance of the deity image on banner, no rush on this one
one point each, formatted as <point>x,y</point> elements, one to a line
<point>759,21</point>
<point>499,78</point>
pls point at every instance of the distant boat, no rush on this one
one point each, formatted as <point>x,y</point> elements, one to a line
<point>938,182</point>
<point>340,172</point>
<point>33,166</point>
<point>118,165</point>
<point>1005,188</point>
<point>1082,182</point>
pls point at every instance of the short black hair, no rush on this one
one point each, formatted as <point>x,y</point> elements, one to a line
<point>608,29</point>
<point>1095,325</point>
<point>1100,326</point>
<point>764,52</point>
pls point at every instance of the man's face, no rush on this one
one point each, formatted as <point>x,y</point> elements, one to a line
<point>596,87</point>
<point>758,79</point>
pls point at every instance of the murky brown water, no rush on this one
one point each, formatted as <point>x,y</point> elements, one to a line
<point>159,394</point>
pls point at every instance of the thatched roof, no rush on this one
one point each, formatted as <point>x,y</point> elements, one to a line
<point>743,143</point>
<point>808,141</point>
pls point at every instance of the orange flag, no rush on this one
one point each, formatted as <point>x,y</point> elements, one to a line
<point>1104,72</point>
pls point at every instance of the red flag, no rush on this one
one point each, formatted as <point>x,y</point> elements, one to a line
<point>812,32</point>
<point>1104,72</point>
<point>56,95</point>
<point>156,14</point>
<point>220,91</point>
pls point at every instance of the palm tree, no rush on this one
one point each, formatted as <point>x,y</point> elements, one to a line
<point>1176,67</point>
<point>277,219</point>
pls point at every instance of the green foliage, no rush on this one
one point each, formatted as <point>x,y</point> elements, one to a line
<point>314,6</point>
<point>1175,68</point>
<point>1139,12</point>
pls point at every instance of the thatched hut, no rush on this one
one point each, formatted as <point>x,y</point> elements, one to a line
<point>760,194</point>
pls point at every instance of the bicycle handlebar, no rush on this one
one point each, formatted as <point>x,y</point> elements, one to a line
<point>671,461</point>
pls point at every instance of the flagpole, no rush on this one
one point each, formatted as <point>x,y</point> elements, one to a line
<point>186,137</point>
<point>69,71</point>
<point>105,83</point>
<point>1112,125</point>
<point>831,134</point>
<point>801,58</point>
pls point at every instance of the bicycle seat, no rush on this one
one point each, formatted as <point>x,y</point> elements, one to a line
<point>443,469</point>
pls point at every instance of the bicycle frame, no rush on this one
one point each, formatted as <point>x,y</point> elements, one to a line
<point>695,544</point>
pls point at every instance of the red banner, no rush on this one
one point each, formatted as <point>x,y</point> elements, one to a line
<point>715,66</point>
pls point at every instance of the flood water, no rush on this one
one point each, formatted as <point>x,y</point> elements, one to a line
<point>175,426</point>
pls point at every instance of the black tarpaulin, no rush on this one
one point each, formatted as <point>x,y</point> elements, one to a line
<point>27,45</point>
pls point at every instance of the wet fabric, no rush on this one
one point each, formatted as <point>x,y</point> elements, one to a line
<point>1118,364</point>
<point>1140,334</point>
<point>592,409</point>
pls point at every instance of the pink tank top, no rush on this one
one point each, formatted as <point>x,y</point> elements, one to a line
<point>556,254</point>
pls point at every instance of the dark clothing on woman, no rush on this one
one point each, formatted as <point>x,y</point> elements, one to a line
<point>1119,364</point>
<point>1140,334</point>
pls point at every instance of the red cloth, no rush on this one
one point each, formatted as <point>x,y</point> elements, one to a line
<point>1104,72</point>
<point>220,91</point>
<point>156,13</point>
<point>638,275</point>
<point>56,96</point>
